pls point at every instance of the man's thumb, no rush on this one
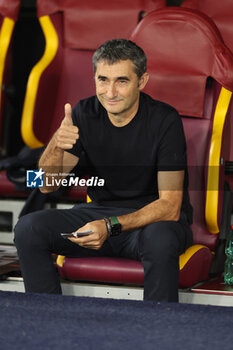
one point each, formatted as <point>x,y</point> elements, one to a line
<point>68,112</point>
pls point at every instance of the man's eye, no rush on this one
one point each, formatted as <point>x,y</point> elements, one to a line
<point>122,81</point>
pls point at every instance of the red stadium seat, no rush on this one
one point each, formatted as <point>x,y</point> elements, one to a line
<point>221,12</point>
<point>184,49</point>
<point>65,73</point>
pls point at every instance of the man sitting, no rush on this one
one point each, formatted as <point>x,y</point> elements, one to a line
<point>136,145</point>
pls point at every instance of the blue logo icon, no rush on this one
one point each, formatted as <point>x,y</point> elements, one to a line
<point>35,178</point>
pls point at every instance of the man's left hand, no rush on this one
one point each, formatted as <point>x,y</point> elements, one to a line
<point>94,240</point>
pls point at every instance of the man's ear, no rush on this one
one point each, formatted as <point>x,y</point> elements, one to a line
<point>143,81</point>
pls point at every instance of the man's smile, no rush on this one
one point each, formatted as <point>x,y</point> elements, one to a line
<point>112,102</point>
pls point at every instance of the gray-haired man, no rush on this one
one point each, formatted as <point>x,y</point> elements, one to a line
<point>142,212</point>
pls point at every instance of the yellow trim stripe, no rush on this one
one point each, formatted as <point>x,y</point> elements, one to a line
<point>5,38</point>
<point>60,260</point>
<point>51,46</point>
<point>211,209</point>
<point>186,256</point>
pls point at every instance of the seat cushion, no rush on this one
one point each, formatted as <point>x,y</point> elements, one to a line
<point>103,269</point>
<point>194,267</point>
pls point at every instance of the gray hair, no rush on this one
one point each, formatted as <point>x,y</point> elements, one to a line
<point>115,50</point>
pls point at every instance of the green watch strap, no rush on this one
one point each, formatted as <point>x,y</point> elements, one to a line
<point>114,220</point>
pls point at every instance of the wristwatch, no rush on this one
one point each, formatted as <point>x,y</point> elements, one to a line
<point>113,226</point>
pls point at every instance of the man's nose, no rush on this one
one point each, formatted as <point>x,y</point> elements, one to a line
<point>111,91</point>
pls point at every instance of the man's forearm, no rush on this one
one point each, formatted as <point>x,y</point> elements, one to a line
<point>51,161</point>
<point>159,210</point>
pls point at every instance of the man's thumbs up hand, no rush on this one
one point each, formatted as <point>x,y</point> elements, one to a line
<point>67,134</point>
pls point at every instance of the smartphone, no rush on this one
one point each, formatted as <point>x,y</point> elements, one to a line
<point>76,234</point>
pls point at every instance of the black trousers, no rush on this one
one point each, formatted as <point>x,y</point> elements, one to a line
<point>157,246</point>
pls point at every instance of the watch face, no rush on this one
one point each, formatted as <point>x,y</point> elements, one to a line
<point>116,229</point>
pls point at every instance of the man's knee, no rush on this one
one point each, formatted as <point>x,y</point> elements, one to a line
<point>158,242</point>
<point>26,228</point>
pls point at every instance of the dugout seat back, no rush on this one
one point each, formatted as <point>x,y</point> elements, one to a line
<point>191,69</point>
<point>181,68</point>
<point>221,12</point>
<point>9,11</point>
<point>73,31</point>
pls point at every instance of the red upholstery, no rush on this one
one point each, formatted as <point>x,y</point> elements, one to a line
<point>72,66</point>
<point>183,93</point>
<point>103,270</point>
<point>184,48</point>
<point>129,271</point>
<point>57,82</point>
<point>80,20</point>
<point>170,85</point>
<point>69,77</point>
<point>221,12</point>
<point>198,135</point>
<point>179,68</point>
<point>197,269</point>
<point>189,61</point>
<point>45,7</point>
<point>10,8</point>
